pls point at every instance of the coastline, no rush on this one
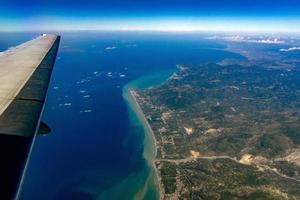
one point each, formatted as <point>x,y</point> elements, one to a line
<point>151,135</point>
<point>150,149</point>
<point>150,145</point>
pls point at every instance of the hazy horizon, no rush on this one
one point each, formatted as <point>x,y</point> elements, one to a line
<point>128,15</point>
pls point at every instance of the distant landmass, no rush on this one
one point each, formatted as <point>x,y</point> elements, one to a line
<point>229,130</point>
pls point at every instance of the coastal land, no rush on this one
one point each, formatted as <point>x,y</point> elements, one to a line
<point>149,131</point>
<point>225,131</point>
<point>152,182</point>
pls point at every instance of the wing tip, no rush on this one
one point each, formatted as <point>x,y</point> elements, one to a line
<point>49,35</point>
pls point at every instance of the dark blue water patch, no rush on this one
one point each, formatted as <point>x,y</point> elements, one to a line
<point>11,39</point>
<point>74,195</point>
<point>93,144</point>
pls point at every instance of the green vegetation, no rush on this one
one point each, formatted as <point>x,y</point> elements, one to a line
<point>226,179</point>
<point>245,121</point>
<point>168,174</point>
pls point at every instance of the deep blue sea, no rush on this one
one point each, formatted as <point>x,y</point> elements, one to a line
<point>95,151</point>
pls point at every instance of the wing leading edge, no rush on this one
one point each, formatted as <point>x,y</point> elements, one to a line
<point>25,72</point>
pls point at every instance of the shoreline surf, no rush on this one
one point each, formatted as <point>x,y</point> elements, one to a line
<point>150,145</point>
<point>151,136</point>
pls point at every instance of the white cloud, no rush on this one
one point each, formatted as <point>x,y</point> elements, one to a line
<point>236,38</point>
<point>110,48</point>
<point>290,49</point>
<point>270,41</point>
<point>249,39</point>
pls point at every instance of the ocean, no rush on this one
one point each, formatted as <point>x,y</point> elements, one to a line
<point>98,147</point>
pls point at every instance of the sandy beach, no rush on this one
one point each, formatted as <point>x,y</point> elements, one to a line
<point>150,148</point>
<point>151,135</point>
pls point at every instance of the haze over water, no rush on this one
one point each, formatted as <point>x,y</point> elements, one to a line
<point>95,150</point>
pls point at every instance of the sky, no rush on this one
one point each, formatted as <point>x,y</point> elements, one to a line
<point>151,15</point>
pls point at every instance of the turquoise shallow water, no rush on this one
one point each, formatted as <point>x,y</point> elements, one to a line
<point>98,145</point>
<point>149,189</point>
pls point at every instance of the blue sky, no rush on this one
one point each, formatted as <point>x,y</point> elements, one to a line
<point>172,15</point>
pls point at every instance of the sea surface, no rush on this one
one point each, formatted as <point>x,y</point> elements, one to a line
<point>98,148</point>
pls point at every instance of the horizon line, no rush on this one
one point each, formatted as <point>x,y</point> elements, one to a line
<point>163,24</point>
<point>153,31</point>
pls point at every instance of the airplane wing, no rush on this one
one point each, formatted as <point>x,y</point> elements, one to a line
<point>25,73</point>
